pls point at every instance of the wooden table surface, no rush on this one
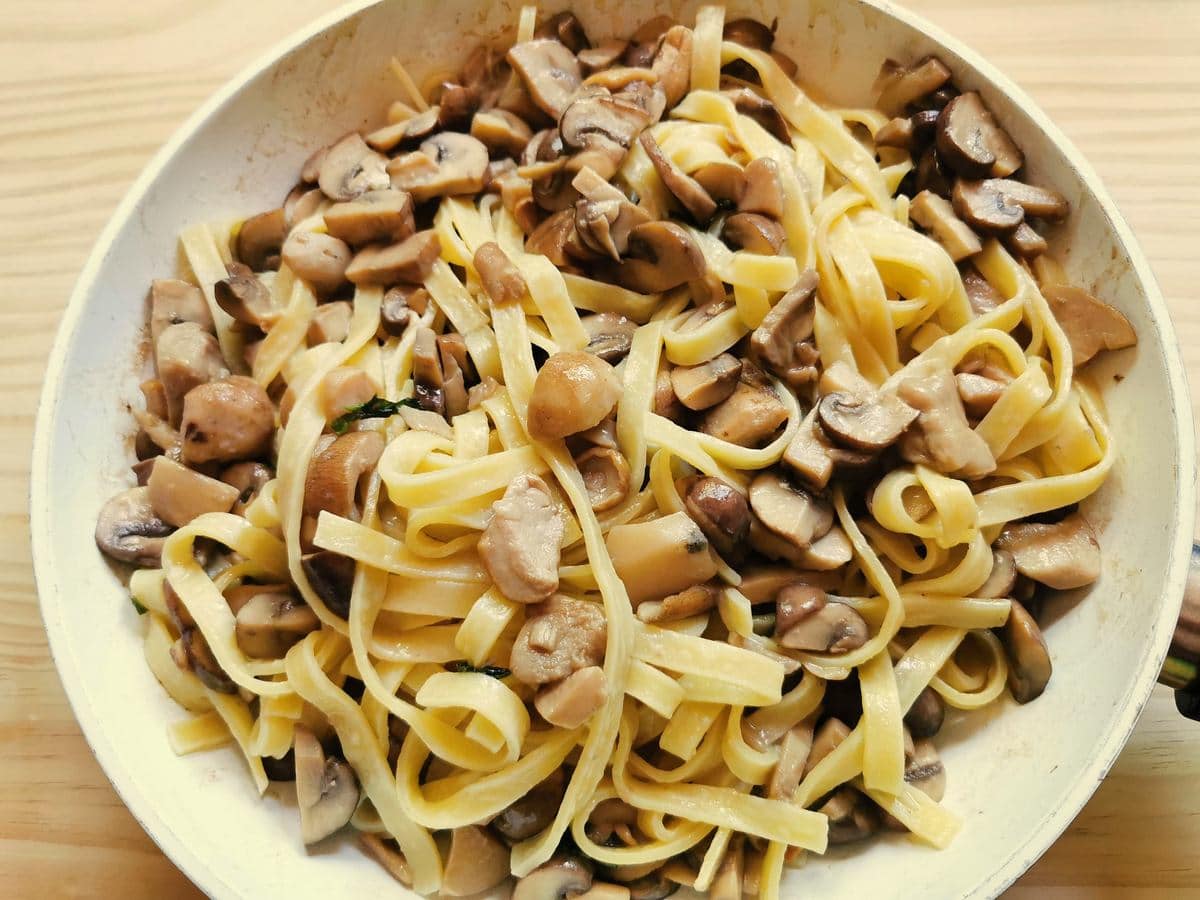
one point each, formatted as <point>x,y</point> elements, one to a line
<point>89,89</point>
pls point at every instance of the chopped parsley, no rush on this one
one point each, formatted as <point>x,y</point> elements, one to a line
<point>141,610</point>
<point>375,408</point>
<point>461,665</point>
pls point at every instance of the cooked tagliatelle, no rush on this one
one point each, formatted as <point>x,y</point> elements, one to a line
<point>607,474</point>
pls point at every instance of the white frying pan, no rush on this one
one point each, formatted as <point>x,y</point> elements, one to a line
<point>1017,775</point>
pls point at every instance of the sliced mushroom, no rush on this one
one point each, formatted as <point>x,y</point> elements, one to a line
<point>752,414</point>
<point>520,545</point>
<point>898,86</point>
<point>666,404</point>
<point>673,63</point>
<point>986,207</point>
<point>924,718</point>
<point>270,623</point>
<point>1090,324</point>
<point>447,163</point>
<point>941,436</point>
<point>753,233</point>
<point>244,297</point>
<point>534,812</point>
<point>226,420</point>
<point>932,175</point>
<point>566,28</point>
<point>828,552</point>
<point>605,474</point>
<point>477,862</point>
<point>549,71</point>
<point>129,529</point>
<point>604,217</point>
<point>456,105</point>
<point>375,216</point>
<point>330,323</point>
<point>831,734</point>
<point>761,191</point>
<point>604,126</point>
<point>427,372</point>
<point>346,387</point>
<point>689,602</point>
<point>660,557</point>
<point>686,189</point>
<point>851,818</point>
<point>1001,579</point>
<point>562,877</point>
<point>409,261</point>
<point>326,789</point>
<point>978,392</point>
<point>1026,242</point>
<point>501,131</point>
<point>782,343</point>
<point>401,306</point>
<point>186,356</point>
<point>1029,667</point>
<point>193,654</point>
<point>550,238</point>
<point>334,474</point>
<point>869,422</point>
<point>970,141</point>
<point>560,636</point>
<point>179,494</point>
<point>936,215</point>
<point>924,770</point>
<point>249,478</point>
<point>571,702</point>
<point>795,602</point>
<point>1064,555</point>
<point>793,756</point>
<point>980,293</point>
<point>707,384</point>
<point>574,390</point>
<point>762,111</point>
<point>609,335</point>
<point>301,204</point>
<point>173,302</point>
<point>501,280</point>
<point>320,259</point>
<point>387,855</point>
<point>351,168</point>
<point>605,54</point>
<point>652,886</point>
<point>332,578</point>
<point>833,628</point>
<point>722,514</point>
<point>790,512</point>
<point>260,240</point>
<point>724,182</point>
<point>897,132</point>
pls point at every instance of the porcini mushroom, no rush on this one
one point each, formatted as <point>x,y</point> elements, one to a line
<point>521,544</point>
<point>351,168</point>
<point>226,420</point>
<point>1064,555</point>
<point>326,789</point>
<point>334,474</point>
<point>445,164</point>
<point>560,636</point>
<point>660,557</point>
<point>409,261</point>
<point>707,384</point>
<point>320,259</point>
<point>971,142</point>
<point>129,529</point>
<point>1090,324</point>
<point>574,390</point>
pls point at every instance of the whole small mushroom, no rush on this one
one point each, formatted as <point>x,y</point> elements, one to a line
<point>227,420</point>
<point>129,530</point>
<point>574,390</point>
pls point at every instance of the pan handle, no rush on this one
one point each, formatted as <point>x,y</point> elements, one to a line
<point>1181,671</point>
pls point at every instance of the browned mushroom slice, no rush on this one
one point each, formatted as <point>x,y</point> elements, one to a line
<point>1029,666</point>
<point>533,812</point>
<point>319,259</point>
<point>761,192</point>
<point>662,255</point>
<point>332,578</point>
<point>128,528</point>
<point>605,54</point>
<point>502,132</point>
<point>243,296</point>
<point>521,544</point>
<point>980,293</point>
<point>983,205</point>
<point>750,33</point>
<point>300,204</point>
<point>899,86</point>
<point>260,239</point>
<point>665,403</point>
<point>226,420</point>
<point>571,702</point>
<point>334,474</point>
<point>326,789</point>
<point>936,216</point>
<point>793,756</point>
<point>753,233</point>
<point>978,392</point>
<point>605,474</point>
<point>1040,202</point>
<point>724,182</point>
<point>173,302</point>
<point>192,654</point>
<point>897,132</point>
<point>550,238</point>
<point>410,261</point>
<point>609,335</point>
<point>345,387</point>
<point>604,125</point>
<point>501,280</point>
<point>660,557</point>
<point>186,356</point>
<point>832,628</point>
<point>868,422</point>
<point>673,63</point>
<point>1090,324</point>
<point>249,478</point>
<point>790,512</point>
<point>427,372</point>
<point>851,817</point>
<point>924,718</point>
<point>604,217</point>
<point>560,636</point>
<point>707,384</point>
<point>383,215</point>
<point>574,390</point>
<point>351,168</point>
<point>751,414</point>
<point>446,164</point>
<point>477,862</point>
<point>1026,242</point>
<point>549,71</point>
<point>942,436</point>
<point>685,188</point>
<point>271,622</point>
<point>932,176</point>
<point>179,494</point>
<point>970,141</point>
<point>762,111</point>
<point>722,514</point>
<point>782,343</point>
<point>1062,556</point>
<point>560,878</point>
<point>689,602</point>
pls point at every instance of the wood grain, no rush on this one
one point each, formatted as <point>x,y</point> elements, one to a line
<point>89,89</point>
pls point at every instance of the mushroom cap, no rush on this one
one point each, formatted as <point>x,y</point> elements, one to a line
<point>244,297</point>
<point>970,141</point>
<point>129,530</point>
<point>983,205</point>
<point>560,636</point>
<point>574,391</point>
<point>179,494</point>
<point>596,114</point>
<point>334,473</point>
<point>605,474</point>
<point>269,623</point>
<point>477,862</point>
<point>869,422</point>
<point>687,190</point>
<point>672,63</point>
<point>558,879</point>
<point>351,168</point>
<point>326,789</point>
<point>320,259</point>
<point>501,280</point>
<point>788,511</point>
<point>724,181</point>
<point>172,302</point>
<point>186,355</point>
<point>722,514</point>
<point>534,811</point>
<point>331,576</point>
<point>379,215</point>
<point>924,718</point>
<point>571,702</point>
<point>753,233</point>
<point>1090,324</point>
<point>662,255</point>
<point>409,261</point>
<point>1029,666</point>
<point>260,239</point>
<point>549,71</point>
<point>761,190</point>
<point>447,163</point>
<point>707,384</point>
<point>1062,555</point>
<point>610,335</point>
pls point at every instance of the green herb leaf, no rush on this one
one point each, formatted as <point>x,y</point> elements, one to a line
<point>375,408</point>
<point>141,610</point>
<point>461,665</point>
